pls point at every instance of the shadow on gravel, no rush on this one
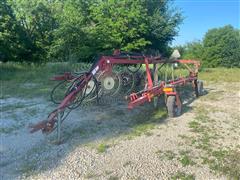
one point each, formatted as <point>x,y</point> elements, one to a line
<point>188,96</point>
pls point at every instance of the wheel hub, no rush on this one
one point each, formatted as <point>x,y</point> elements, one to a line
<point>90,87</point>
<point>108,83</point>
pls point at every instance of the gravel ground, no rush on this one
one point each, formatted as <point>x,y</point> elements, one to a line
<point>99,142</point>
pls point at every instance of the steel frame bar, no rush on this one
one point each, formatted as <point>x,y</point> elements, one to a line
<point>150,92</point>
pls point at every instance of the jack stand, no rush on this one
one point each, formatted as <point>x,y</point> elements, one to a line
<point>196,87</point>
<point>59,122</point>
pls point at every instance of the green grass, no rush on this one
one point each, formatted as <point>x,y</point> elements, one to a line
<point>28,81</point>
<point>31,111</point>
<point>145,121</point>
<point>207,74</point>
<point>169,155</point>
<point>79,131</point>
<point>166,73</point>
<point>30,163</point>
<point>113,178</point>
<point>186,160</point>
<point>213,96</point>
<point>201,114</point>
<point>204,133</point>
<point>30,160</point>
<point>107,172</point>
<point>13,107</point>
<point>195,126</point>
<point>225,161</point>
<point>182,176</point>
<point>127,163</point>
<point>140,129</point>
<point>91,175</point>
<point>8,130</point>
<point>28,169</point>
<point>101,148</point>
<point>199,125</point>
<point>220,74</point>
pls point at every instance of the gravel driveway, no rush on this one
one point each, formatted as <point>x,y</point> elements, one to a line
<point>111,142</point>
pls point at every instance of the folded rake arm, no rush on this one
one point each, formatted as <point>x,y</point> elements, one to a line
<point>76,93</point>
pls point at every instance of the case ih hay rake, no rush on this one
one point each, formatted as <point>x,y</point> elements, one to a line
<point>75,89</point>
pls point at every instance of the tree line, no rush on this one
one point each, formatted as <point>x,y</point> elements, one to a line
<point>40,31</point>
<point>77,30</point>
<point>219,47</point>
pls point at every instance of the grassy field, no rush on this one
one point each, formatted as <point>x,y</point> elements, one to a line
<point>27,81</point>
<point>220,74</point>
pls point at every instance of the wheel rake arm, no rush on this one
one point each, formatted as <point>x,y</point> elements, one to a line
<point>47,125</point>
<point>84,86</point>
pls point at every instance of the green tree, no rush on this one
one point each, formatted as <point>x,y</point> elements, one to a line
<point>13,41</point>
<point>79,29</point>
<point>87,28</point>
<point>163,21</point>
<point>72,40</point>
<point>37,20</point>
<point>222,47</point>
<point>119,24</point>
<point>193,50</point>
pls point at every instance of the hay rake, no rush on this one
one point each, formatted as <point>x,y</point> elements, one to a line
<point>137,84</point>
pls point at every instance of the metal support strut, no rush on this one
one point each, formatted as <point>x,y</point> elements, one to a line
<point>59,121</point>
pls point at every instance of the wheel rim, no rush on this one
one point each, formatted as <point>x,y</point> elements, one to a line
<point>110,83</point>
<point>90,87</point>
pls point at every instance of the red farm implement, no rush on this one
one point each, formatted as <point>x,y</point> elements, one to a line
<point>75,89</point>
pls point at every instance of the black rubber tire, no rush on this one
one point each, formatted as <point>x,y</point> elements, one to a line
<point>200,87</point>
<point>172,108</point>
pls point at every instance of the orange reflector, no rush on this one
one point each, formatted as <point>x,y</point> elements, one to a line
<point>168,89</point>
